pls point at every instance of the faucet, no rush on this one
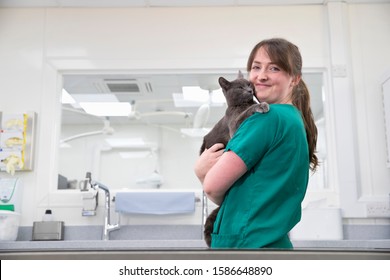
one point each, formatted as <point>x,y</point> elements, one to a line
<point>108,227</point>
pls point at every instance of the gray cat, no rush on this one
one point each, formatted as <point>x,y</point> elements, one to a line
<point>241,103</point>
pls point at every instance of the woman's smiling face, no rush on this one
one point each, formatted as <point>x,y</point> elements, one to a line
<point>272,84</point>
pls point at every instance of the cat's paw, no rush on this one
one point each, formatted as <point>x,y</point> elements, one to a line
<point>262,107</point>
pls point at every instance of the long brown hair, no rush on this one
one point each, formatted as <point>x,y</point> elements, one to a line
<point>287,56</point>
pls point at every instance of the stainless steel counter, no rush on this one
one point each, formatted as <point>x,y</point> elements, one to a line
<point>175,242</point>
<point>188,249</point>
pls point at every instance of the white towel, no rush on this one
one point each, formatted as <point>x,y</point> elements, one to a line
<point>158,203</point>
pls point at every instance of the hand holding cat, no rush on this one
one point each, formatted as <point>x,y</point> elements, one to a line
<point>207,160</point>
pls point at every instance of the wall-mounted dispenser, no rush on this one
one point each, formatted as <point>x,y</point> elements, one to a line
<point>10,194</point>
<point>10,207</point>
<point>16,141</point>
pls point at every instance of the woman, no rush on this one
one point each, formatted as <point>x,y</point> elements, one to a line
<point>260,178</point>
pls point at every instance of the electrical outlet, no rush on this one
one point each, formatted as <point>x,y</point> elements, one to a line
<point>380,209</point>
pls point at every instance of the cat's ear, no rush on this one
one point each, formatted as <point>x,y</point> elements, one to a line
<point>223,82</point>
<point>240,75</point>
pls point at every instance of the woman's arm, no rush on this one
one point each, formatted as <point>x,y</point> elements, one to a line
<point>228,168</point>
<point>207,160</point>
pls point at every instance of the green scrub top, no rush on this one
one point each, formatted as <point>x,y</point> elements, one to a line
<point>265,203</point>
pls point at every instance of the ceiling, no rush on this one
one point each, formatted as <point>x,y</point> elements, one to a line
<point>166,3</point>
<point>153,96</point>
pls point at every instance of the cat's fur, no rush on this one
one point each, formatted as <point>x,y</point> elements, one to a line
<point>209,226</point>
<point>239,96</point>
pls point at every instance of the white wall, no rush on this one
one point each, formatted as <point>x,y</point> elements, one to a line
<point>370,54</point>
<point>37,45</point>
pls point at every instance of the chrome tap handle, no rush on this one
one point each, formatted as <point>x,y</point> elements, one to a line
<point>96,184</point>
<point>108,227</point>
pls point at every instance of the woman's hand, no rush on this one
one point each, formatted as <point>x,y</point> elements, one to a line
<point>218,170</point>
<point>222,175</point>
<point>207,160</point>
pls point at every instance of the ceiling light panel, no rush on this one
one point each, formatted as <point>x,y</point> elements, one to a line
<point>66,98</point>
<point>101,97</point>
<point>107,109</point>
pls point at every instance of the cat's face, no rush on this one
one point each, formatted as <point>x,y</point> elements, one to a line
<point>237,92</point>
